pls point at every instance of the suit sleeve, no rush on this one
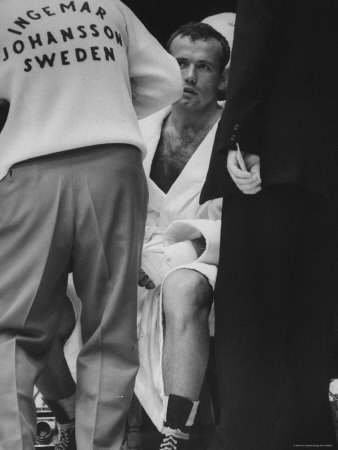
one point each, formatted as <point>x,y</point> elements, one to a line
<point>256,40</point>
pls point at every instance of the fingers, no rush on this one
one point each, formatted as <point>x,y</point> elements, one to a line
<point>248,181</point>
<point>145,281</point>
<point>233,167</point>
<point>255,171</point>
<point>251,186</point>
<point>252,190</point>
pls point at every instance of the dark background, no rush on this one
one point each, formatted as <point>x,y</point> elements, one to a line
<point>162,17</point>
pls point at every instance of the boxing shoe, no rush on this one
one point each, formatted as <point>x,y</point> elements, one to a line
<point>66,439</point>
<point>174,439</point>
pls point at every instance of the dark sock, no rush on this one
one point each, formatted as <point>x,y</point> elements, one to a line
<point>178,412</point>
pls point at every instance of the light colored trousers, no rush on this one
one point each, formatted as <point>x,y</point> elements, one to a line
<point>80,211</point>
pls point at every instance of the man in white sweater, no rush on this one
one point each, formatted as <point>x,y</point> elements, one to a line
<point>77,75</point>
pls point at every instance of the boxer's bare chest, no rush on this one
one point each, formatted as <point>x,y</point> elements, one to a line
<point>172,154</point>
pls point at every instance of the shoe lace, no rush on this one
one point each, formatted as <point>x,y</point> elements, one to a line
<point>169,443</point>
<point>65,437</point>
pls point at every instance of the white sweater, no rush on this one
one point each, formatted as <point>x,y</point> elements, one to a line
<point>77,73</point>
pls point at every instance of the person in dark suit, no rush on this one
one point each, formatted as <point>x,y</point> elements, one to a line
<point>277,279</point>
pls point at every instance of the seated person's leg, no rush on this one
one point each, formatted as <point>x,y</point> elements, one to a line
<point>56,383</point>
<point>187,298</point>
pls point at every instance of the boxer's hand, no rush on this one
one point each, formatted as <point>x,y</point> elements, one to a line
<point>144,280</point>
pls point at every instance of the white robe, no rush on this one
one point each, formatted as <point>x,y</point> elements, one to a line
<point>172,217</point>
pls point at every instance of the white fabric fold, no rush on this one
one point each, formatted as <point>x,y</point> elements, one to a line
<point>173,218</point>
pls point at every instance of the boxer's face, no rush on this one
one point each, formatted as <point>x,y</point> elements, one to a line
<point>200,68</point>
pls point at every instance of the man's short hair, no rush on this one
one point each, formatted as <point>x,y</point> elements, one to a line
<point>198,31</point>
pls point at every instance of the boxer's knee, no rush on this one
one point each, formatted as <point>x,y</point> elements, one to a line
<point>186,294</point>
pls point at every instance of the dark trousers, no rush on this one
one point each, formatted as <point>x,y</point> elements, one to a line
<point>274,300</point>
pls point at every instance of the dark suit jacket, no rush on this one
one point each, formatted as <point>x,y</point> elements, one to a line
<point>283,95</point>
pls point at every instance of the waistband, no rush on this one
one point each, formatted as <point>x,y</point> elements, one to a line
<point>77,152</point>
